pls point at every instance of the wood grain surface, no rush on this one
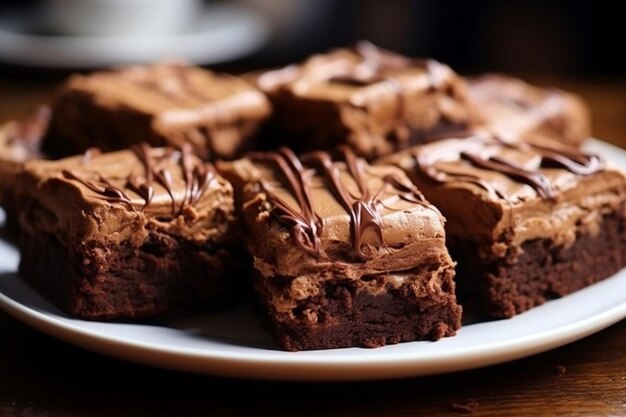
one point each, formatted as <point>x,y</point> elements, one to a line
<point>40,376</point>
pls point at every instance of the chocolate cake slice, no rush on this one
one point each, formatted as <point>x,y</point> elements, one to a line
<point>127,234</point>
<point>163,104</point>
<point>527,221</point>
<point>372,100</point>
<point>347,254</point>
<point>512,107</point>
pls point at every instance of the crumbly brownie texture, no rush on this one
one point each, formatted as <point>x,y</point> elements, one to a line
<point>127,234</point>
<point>527,221</point>
<point>20,141</point>
<point>372,100</point>
<point>163,104</point>
<point>512,107</point>
<point>347,254</point>
<point>541,271</point>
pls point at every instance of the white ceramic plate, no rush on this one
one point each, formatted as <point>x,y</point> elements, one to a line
<point>220,33</point>
<point>234,343</point>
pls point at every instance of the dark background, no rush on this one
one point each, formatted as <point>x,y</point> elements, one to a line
<point>546,37</point>
<point>551,37</point>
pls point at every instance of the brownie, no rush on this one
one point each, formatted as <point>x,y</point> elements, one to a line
<point>372,100</point>
<point>128,234</point>
<point>20,141</point>
<point>527,221</point>
<point>346,254</point>
<point>509,105</point>
<point>164,104</point>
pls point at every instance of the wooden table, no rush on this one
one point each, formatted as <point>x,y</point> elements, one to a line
<point>40,376</point>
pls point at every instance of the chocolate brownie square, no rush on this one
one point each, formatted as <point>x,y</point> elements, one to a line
<point>510,106</point>
<point>372,100</point>
<point>347,254</point>
<point>163,104</point>
<point>527,221</point>
<point>128,234</point>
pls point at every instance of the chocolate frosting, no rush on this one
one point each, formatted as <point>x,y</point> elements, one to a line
<point>119,195</point>
<point>164,104</point>
<point>503,193</point>
<point>362,205</point>
<point>336,215</point>
<point>373,100</point>
<point>377,65</point>
<point>511,106</point>
<point>305,224</point>
<point>175,93</point>
<point>363,65</point>
<point>197,177</point>
<point>481,152</point>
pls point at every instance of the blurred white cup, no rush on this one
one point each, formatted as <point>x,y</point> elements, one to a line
<point>120,17</point>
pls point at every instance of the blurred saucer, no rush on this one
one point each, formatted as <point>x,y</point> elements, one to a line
<point>220,33</point>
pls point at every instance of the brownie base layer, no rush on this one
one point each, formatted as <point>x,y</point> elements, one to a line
<point>541,272</point>
<point>345,317</point>
<point>164,276</point>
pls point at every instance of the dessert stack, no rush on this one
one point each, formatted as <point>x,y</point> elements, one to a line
<point>368,197</point>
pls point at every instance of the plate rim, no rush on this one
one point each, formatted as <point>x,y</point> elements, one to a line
<point>291,366</point>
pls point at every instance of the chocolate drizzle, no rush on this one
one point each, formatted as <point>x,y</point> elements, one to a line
<point>306,225</point>
<point>144,190</point>
<point>377,66</point>
<point>103,187</point>
<point>370,69</point>
<point>426,164</point>
<point>558,155</point>
<point>143,186</point>
<point>376,61</point>
<point>362,209</point>
<point>197,177</point>
<point>570,158</point>
<point>534,178</point>
<point>478,152</point>
<point>362,206</point>
<point>170,80</point>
